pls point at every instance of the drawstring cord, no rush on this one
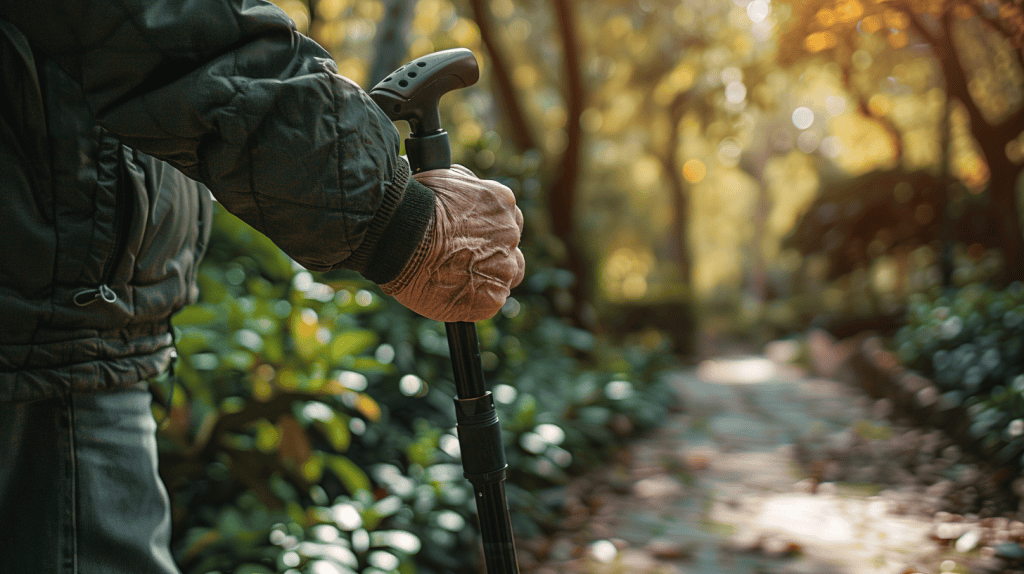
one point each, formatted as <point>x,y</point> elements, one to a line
<point>87,296</point>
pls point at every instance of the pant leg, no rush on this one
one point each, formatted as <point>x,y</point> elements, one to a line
<point>79,489</point>
<point>124,521</point>
<point>37,486</point>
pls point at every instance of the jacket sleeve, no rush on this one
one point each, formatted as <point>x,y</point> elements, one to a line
<point>231,94</point>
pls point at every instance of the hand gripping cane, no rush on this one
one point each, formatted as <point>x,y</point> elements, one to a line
<point>411,93</point>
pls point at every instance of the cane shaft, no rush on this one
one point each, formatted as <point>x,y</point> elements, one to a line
<point>483,453</point>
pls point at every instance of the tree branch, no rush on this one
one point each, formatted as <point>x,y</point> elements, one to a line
<point>522,135</point>
<point>919,27</point>
<point>895,137</point>
<point>996,24</point>
<point>956,76</point>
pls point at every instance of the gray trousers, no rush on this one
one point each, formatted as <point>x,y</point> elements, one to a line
<point>79,489</point>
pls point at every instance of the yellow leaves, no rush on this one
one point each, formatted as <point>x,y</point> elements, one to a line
<point>618,26</point>
<point>502,8</point>
<point>626,272</point>
<point>845,11</point>
<point>826,17</point>
<point>694,170</point>
<point>591,120</point>
<point>370,9</point>
<point>896,19</point>
<point>973,170</point>
<point>849,10</point>
<point>297,11</point>
<point>819,41</point>
<point>646,171</point>
<point>678,80</point>
<point>621,111</point>
<point>963,11</point>
<point>898,39</point>
<point>525,76</point>
<point>353,69</point>
<point>465,32</point>
<point>555,117</point>
<point>866,146</point>
<point>520,29</point>
<point>331,9</point>
<point>468,132</point>
<point>871,23</point>
<point>368,407</point>
<point>879,104</point>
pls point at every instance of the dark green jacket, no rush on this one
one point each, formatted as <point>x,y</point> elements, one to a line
<point>101,237</point>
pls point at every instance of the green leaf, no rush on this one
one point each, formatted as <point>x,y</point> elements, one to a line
<point>353,477</point>
<point>198,315</point>
<point>525,413</point>
<point>337,432</point>
<point>352,343</point>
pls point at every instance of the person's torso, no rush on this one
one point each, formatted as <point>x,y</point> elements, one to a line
<point>100,242</point>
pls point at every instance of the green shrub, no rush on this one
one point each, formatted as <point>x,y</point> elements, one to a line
<point>970,342</point>
<point>312,427</point>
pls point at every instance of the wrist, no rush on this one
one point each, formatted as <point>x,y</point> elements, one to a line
<point>412,267</point>
<point>403,236</point>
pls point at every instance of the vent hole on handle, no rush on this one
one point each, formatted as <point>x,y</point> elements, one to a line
<point>387,79</point>
<point>403,83</point>
<point>421,64</point>
<point>411,74</point>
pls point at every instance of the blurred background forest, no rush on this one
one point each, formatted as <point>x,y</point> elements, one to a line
<point>692,173</point>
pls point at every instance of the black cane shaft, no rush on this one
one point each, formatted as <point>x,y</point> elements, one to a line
<point>465,352</point>
<point>483,454</point>
<point>496,529</point>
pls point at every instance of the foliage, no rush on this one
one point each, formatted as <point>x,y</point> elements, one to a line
<point>971,343</point>
<point>312,423</point>
<point>895,57</point>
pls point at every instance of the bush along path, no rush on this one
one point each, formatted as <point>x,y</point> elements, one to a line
<point>308,427</point>
<point>770,470</point>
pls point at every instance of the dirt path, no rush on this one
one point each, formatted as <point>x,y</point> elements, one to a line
<point>729,486</point>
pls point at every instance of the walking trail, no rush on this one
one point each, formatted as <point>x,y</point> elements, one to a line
<point>718,489</point>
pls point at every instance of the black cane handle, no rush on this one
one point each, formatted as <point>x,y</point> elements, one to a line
<point>412,93</point>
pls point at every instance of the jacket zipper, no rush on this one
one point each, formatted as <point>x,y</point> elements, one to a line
<point>103,291</point>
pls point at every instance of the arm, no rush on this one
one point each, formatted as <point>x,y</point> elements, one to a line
<point>233,96</point>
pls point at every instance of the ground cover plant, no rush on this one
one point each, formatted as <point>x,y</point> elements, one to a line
<point>970,342</point>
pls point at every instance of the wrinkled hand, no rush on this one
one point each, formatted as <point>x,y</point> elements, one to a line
<point>470,258</point>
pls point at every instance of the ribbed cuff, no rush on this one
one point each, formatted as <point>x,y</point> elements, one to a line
<point>385,253</point>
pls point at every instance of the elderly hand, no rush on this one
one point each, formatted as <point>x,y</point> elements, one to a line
<point>469,259</point>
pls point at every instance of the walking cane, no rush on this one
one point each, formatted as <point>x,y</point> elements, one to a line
<point>411,93</point>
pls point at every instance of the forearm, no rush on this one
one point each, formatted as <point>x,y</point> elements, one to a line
<point>232,95</point>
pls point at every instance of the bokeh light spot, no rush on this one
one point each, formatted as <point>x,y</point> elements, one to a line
<point>694,170</point>
<point>803,117</point>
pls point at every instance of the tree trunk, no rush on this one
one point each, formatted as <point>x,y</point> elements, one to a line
<point>1002,188</point>
<point>679,245</point>
<point>392,45</point>
<point>511,111</point>
<point>991,139</point>
<point>562,192</point>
